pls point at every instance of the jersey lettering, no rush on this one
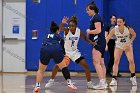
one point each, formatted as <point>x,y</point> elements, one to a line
<point>123,40</point>
<point>72,44</point>
<point>50,35</point>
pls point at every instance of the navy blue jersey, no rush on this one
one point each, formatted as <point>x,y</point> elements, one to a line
<point>52,48</point>
<point>52,38</point>
<point>101,35</point>
<point>99,38</point>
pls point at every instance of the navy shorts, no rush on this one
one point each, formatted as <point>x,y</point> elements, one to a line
<point>101,47</point>
<point>54,52</point>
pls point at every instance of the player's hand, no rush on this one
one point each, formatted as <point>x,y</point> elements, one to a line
<point>65,20</point>
<point>127,45</point>
<point>88,31</point>
<point>94,43</point>
<point>106,48</point>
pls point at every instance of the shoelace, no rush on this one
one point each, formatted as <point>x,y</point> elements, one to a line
<point>72,83</point>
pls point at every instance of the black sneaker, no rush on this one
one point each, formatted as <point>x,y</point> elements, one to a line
<point>119,75</point>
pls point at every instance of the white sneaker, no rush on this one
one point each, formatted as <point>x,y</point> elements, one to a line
<point>134,89</point>
<point>36,90</point>
<point>106,85</point>
<point>113,82</point>
<point>90,85</point>
<point>50,83</point>
<point>113,88</point>
<point>71,86</point>
<point>100,86</point>
<point>133,80</point>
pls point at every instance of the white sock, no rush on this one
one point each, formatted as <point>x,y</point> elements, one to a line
<point>102,81</point>
<point>52,79</point>
<point>68,81</point>
<point>37,84</point>
<point>89,82</point>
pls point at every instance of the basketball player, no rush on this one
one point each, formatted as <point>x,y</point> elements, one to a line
<point>51,49</point>
<point>72,35</point>
<point>123,43</point>
<point>96,34</point>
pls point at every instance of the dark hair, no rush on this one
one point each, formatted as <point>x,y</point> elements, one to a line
<point>54,27</point>
<point>93,6</point>
<point>128,26</point>
<point>121,17</point>
<point>73,19</point>
<point>112,16</point>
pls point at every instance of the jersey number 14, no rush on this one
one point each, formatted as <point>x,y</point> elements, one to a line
<point>50,35</point>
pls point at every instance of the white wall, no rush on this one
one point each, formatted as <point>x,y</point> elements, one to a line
<point>0,35</point>
<point>14,44</point>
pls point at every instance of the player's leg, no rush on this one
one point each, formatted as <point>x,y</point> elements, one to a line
<point>51,82</point>
<point>117,55</point>
<point>130,57</point>
<point>39,76</point>
<point>82,62</point>
<point>60,61</point>
<point>44,61</point>
<point>97,63</point>
<point>77,58</point>
<point>66,75</point>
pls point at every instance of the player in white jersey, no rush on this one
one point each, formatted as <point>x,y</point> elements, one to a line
<point>71,38</point>
<point>123,43</point>
<point>71,43</point>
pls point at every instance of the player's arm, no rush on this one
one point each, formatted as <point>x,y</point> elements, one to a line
<point>61,26</point>
<point>97,30</point>
<point>86,39</point>
<point>132,32</point>
<point>106,34</point>
<point>110,35</point>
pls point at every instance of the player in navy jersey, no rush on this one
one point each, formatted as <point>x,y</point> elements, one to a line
<point>72,35</point>
<point>52,49</point>
<point>96,34</point>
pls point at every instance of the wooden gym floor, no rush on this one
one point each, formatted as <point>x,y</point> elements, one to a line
<point>24,83</point>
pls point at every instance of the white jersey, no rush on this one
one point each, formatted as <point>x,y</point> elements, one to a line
<point>122,39</point>
<point>71,43</point>
<point>71,40</point>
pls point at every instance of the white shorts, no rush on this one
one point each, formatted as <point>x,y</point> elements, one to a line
<point>118,46</point>
<point>73,55</point>
<point>123,47</point>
